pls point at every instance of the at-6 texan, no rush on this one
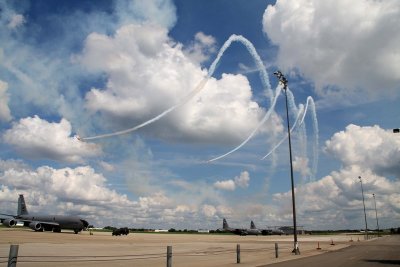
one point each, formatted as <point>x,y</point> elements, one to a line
<point>43,222</point>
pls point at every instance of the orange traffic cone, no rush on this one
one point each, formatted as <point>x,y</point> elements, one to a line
<point>332,244</point>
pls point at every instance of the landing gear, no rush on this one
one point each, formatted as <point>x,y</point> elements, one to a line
<point>76,231</point>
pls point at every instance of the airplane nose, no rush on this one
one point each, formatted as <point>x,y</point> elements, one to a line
<point>85,223</point>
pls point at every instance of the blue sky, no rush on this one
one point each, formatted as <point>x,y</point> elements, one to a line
<point>84,68</point>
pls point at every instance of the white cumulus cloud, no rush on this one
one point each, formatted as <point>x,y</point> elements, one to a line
<point>225,185</point>
<point>16,21</point>
<point>5,114</point>
<point>335,201</point>
<point>37,138</point>
<point>200,50</point>
<point>67,184</point>
<point>209,210</point>
<point>148,73</point>
<point>300,164</point>
<point>369,147</point>
<point>241,181</point>
<point>339,44</point>
<point>83,191</point>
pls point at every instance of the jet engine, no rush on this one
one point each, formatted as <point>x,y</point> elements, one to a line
<point>36,226</point>
<point>9,222</point>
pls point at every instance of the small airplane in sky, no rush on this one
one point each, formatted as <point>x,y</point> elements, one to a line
<point>238,231</point>
<point>41,223</point>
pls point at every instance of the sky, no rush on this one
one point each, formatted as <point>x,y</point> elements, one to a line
<point>197,78</point>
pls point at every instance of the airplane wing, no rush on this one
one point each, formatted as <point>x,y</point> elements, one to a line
<point>26,221</point>
<point>34,225</point>
<point>6,220</point>
<point>7,215</point>
<point>43,223</point>
<point>39,225</point>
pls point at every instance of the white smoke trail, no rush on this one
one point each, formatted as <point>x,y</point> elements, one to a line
<point>156,118</point>
<point>301,113</point>
<point>314,167</point>
<point>266,117</point>
<point>251,49</point>
<point>233,38</point>
<point>273,98</point>
<point>301,129</point>
<point>310,106</point>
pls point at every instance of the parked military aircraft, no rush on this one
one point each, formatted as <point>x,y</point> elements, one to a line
<point>43,222</point>
<point>267,231</point>
<point>239,231</point>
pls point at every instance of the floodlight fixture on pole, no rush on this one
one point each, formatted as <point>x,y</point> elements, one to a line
<point>365,214</point>
<point>284,82</point>
<point>376,214</point>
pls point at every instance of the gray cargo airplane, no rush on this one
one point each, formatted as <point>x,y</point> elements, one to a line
<point>42,223</point>
<point>239,231</point>
<point>266,231</point>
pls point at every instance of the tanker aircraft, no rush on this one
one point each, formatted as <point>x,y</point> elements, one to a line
<point>41,223</point>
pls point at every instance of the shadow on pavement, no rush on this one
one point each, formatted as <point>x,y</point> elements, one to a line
<point>391,262</point>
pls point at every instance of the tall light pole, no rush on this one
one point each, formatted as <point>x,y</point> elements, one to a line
<point>376,214</point>
<point>284,82</point>
<point>365,214</point>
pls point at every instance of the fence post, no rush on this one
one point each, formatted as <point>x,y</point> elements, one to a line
<point>237,253</point>
<point>169,256</point>
<point>276,250</point>
<point>12,257</point>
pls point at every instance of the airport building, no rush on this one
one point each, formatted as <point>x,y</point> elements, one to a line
<point>289,230</point>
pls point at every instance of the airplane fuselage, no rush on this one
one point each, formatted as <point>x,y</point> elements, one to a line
<point>39,222</point>
<point>53,222</point>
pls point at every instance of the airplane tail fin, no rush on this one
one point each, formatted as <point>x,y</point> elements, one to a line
<point>225,224</point>
<point>252,225</point>
<point>22,210</point>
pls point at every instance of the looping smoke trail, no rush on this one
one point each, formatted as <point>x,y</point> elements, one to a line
<point>302,131</point>
<point>273,98</point>
<point>251,49</point>
<point>302,111</point>
<point>266,117</point>
<point>233,38</point>
<point>310,106</point>
<point>310,101</point>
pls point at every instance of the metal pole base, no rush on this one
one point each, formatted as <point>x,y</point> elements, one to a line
<point>296,251</point>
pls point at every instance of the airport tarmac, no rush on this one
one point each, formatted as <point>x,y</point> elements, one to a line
<point>150,249</point>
